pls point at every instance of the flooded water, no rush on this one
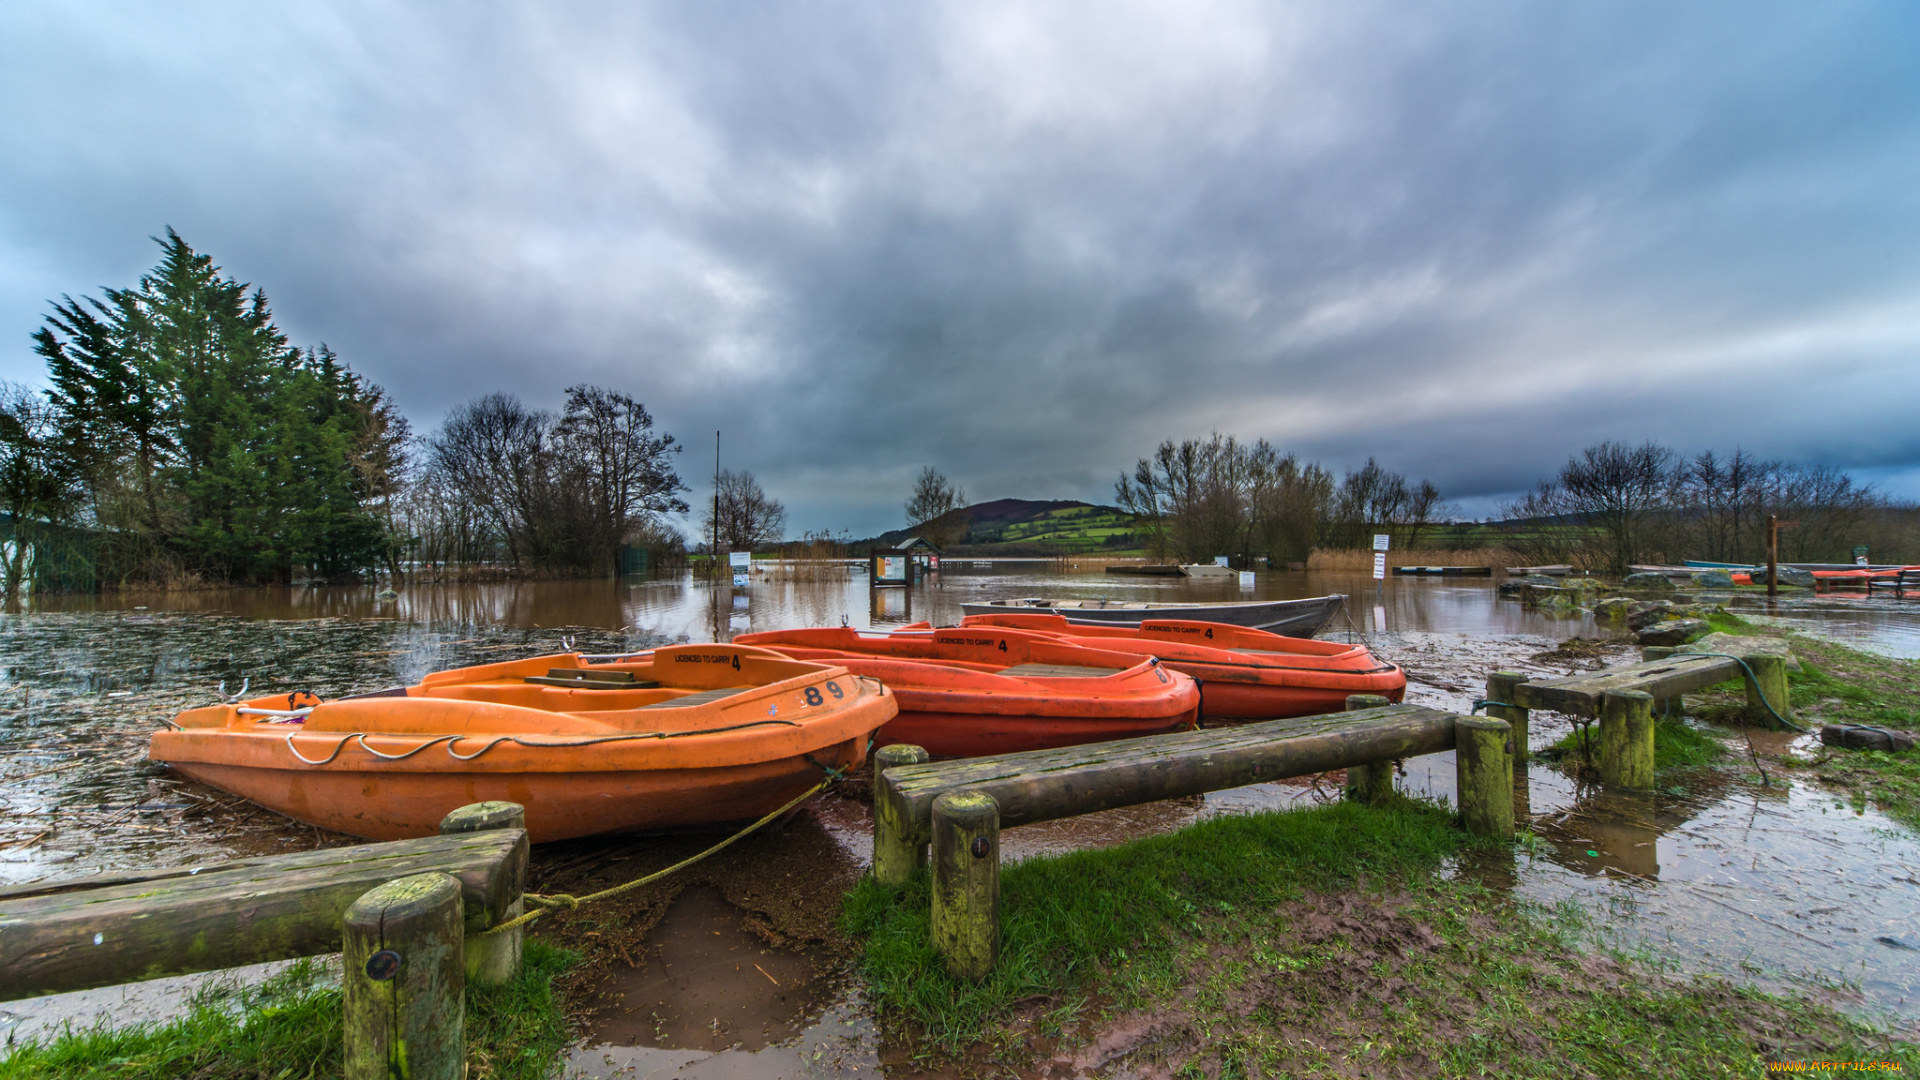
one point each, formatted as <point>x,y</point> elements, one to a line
<point>1780,885</point>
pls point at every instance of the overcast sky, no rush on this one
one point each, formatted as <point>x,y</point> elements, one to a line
<point>1026,241</point>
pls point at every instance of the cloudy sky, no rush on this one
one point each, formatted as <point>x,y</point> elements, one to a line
<point>1026,241</point>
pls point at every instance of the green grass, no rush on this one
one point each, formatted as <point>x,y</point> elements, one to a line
<point>1113,916</point>
<point>1676,745</point>
<point>1842,685</point>
<point>1320,941</point>
<point>289,1029</point>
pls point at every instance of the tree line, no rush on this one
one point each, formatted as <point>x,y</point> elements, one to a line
<point>183,439</point>
<point>1200,498</point>
<point>1614,505</point>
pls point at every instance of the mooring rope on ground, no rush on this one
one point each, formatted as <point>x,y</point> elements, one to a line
<point>565,902</point>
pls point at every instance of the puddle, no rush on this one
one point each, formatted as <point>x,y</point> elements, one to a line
<point>704,982</point>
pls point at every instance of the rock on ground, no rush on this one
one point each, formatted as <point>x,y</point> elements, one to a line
<point>1673,632</point>
<point>1647,581</point>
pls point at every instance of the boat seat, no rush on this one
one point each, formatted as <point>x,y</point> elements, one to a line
<point>1059,671</point>
<point>590,679</point>
<point>700,698</point>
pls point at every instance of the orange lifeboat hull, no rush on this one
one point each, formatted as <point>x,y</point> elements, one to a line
<point>759,730</point>
<point>969,693</point>
<point>1244,674</point>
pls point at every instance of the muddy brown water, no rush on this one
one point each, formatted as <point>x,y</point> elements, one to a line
<point>1785,886</point>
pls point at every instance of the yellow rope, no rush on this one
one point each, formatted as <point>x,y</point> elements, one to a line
<point>560,901</point>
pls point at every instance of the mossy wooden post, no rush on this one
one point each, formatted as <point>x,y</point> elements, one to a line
<point>494,958</point>
<point>1626,738</point>
<point>1484,774</point>
<point>1767,685</point>
<point>966,883</point>
<point>404,981</point>
<point>1368,783</point>
<point>896,854</point>
<point>1500,706</point>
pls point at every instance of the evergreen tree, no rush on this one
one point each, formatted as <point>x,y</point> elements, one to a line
<point>246,457</point>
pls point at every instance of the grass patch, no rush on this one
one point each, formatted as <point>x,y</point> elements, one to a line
<point>1315,942</point>
<point>289,1028</point>
<point>1840,685</point>
<point>1676,745</point>
<point>1110,919</point>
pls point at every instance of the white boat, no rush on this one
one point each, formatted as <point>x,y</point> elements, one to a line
<point>1294,618</point>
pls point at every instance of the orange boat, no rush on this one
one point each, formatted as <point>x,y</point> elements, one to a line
<point>992,690</point>
<point>1244,674</point>
<point>684,735</point>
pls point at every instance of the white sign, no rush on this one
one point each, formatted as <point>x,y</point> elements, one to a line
<point>741,562</point>
<point>1379,566</point>
<point>1859,560</point>
<point>893,568</point>
<point>1219,560</point>
<point>1380,541</point>
<point>1246,579</point>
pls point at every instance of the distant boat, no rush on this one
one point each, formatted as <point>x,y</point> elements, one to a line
<point>1148,570</point>
<point>1294,618</point>
<point>1208,570</point>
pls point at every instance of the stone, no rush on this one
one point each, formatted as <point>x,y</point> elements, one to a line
<point>1644,613</point>
<point>1647,581</point>
<point>1613,609</point>
<point>1736,645</point>
<point>1787,575</point>
<point>1864,737</point>
<point>1673,632</point>
<point>1518,587</point>
<point>1584,584</point>
<point>1713,579</point>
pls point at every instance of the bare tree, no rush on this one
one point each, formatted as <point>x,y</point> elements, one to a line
<point>1605,504</point>
<point>616,470</point>
<point>561,492</point>
<point>748,516</point>
<point>1218,496</point>
<point>937,509</point>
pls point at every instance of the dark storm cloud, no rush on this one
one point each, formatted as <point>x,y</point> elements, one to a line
<point>1026,242</point>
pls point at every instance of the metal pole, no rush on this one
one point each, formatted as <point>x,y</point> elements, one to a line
<point>713,552</point>
<point>1773,555</point>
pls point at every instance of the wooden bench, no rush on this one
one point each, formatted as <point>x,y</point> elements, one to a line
<point>423,902</point>
<point>960,806</point>
<point>1899,583</point>
<point>1623,700</point>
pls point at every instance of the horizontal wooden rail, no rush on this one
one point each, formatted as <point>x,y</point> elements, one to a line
<point>1626,699</point>
<point>1041,785</point>
<point>127,927</point>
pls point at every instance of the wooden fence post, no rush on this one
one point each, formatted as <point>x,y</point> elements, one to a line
<point>896,852</point>
<point>1374,782</point>
<point>494,959</point>
<point>1767,686</point>
<point>966,883</point>
<point>1483,774</point>
<point>404,981</point>
<point>1626,738</point>
<point>1500,686</point>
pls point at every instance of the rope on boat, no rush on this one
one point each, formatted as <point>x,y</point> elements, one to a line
<point>565,902</point>
<point>531,745</point>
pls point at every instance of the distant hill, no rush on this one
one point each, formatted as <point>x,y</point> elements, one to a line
<point>1036,527</point>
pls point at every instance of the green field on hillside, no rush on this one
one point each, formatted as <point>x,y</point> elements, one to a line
<point>1069,530</point>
